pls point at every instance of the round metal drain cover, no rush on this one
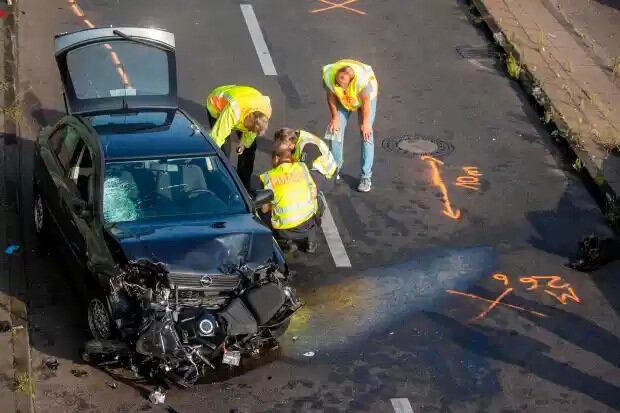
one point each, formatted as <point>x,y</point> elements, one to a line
<point>417,145</point>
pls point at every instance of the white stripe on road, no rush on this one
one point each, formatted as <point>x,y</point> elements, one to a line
<point>259,41</point>
<point>401,405</point>
<point>334,242</point>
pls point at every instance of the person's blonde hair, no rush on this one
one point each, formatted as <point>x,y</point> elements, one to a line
<point>258,122</point>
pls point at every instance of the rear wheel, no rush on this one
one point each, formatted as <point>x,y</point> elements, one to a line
<point>99,321</point>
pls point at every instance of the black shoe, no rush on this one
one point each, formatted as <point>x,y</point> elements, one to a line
<point>312,247</point>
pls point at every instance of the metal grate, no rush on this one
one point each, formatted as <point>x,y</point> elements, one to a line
<point>417,145</point>
<point>476,52</point>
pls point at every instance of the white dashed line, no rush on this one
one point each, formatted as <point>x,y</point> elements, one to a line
<point>259,41</point>
<point>401,405</point>
<point>334,242</point>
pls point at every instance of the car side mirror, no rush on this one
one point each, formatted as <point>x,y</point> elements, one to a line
<point>262,197</point>
<point>81,208</point>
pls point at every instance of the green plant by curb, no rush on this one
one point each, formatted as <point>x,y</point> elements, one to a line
<point>25,384</point>
<point>578,165</point>
<point>513,67</point>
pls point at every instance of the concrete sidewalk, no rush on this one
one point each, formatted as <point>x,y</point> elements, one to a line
<point>16,383</point>
<point>569,75</point>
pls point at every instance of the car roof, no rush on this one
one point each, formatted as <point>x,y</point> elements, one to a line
<point>149,134</point>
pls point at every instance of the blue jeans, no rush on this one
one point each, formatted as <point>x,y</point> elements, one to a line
<point>368,148</point>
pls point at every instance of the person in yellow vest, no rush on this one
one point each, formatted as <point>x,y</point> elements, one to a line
<point>242,109</point>
<point>312,151</point>
<point>352,87</point>
<point>292,213</point>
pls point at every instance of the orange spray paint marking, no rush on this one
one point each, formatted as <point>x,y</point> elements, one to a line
<point>486,300</point>
<point>341,5</point>
<point>493,305</point>
<point>471,180</point>
<point>438,182</point>
<point>501,277</point>
<point>553,283</point>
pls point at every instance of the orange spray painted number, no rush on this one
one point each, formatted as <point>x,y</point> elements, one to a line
<point>471,180</point>
<point>439,183</point>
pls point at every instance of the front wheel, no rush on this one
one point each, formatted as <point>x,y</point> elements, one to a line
<point>99,320</point>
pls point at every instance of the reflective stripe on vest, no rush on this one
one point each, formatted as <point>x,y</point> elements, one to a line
<point>294,200</point>
<point>325,164</point>
<point>363,75</point>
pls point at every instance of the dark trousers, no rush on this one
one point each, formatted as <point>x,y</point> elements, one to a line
<point>245,161</point>
<point>304,233</point>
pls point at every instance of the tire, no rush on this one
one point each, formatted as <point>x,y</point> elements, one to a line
<point>100,322</point>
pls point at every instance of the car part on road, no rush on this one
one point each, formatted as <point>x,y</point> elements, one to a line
<point>417,145</point>
<point>157,396</point>
<point>173,327</point>
<point>594,252</point>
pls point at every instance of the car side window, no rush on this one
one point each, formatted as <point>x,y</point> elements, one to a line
<point>81,171</point>
<point>68,147</point>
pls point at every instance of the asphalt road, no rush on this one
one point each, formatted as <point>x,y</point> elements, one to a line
<point>408,319</point>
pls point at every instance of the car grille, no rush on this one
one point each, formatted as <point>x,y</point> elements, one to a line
<point>204,282</point>
<point>202,290</point>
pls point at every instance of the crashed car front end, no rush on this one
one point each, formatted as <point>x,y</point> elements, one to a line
<point>177,326</point>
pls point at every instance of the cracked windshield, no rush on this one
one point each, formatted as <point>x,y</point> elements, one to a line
<point>158,188</point>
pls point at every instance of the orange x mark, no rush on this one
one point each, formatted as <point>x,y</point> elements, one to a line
<point>342,5</point>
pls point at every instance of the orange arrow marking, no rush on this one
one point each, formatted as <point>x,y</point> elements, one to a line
<point>438,182</point>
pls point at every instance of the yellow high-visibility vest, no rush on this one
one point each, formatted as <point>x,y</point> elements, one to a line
<point>350,98</point>
<point>325,164</point>
<point>230,105</point>
<point>294,194</point>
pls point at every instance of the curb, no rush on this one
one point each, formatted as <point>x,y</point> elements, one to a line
<point>12,228</point>
<point>531,85</point>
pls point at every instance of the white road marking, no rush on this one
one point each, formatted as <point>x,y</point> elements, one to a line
<point>259,41</point>
<point>401,405</point>
<point>334,242</point>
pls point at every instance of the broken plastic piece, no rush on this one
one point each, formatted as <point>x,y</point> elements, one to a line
<point>157,396</point>
<point>309,354</point>
<point>52,363</point>
<point>11,249</point>
<point>112,384</point>
<point>79,373</point>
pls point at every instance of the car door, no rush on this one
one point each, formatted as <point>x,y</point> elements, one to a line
<point>117,69</point>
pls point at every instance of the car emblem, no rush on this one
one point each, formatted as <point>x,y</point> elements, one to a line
<point>206,281</point>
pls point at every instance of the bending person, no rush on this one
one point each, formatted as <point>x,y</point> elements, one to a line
<point>242,109</point>
<point>352,87</point>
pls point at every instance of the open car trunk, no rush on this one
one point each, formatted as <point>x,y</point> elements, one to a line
<point>117,69</point>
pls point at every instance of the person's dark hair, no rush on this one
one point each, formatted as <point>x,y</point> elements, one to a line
<point>285,134</point>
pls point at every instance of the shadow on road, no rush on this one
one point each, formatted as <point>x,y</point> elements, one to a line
<point>530,354</point>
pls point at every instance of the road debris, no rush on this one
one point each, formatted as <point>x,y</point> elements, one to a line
<point>157,396</point>
<point>112,384</point>
<point>295,338</point>
<point>79,373</point>
<point>11,249</point>
<point>309,354</point>
<point>52,363</point>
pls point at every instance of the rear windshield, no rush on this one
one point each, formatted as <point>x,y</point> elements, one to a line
<point>162,188</point>
<point>126,69</point>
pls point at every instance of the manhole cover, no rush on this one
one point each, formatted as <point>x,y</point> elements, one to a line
<point>417,145</point>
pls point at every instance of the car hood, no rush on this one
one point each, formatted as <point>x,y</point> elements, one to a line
<point>197,246</point>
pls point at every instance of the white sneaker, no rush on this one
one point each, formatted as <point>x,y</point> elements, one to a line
<point>364,185</point>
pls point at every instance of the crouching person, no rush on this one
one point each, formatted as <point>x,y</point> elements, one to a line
<point>312,151</point>
<point>292,213</point>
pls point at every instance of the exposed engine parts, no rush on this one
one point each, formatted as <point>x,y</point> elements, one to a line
<point>175,326</point>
